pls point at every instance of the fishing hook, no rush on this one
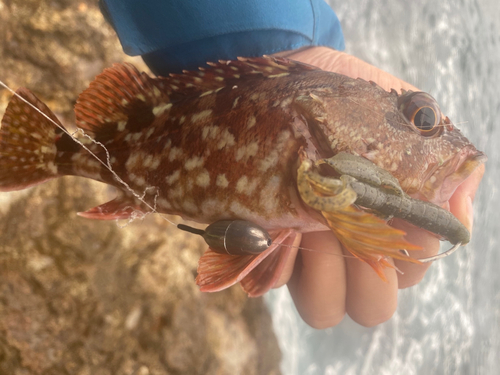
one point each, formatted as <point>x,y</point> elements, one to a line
<point>442,255</point>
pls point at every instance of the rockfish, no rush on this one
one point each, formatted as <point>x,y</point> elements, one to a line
<point>234,141</point>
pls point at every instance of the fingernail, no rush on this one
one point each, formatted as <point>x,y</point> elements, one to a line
<point>470,214</point>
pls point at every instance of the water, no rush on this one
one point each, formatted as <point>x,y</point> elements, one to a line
<point>450,322</point>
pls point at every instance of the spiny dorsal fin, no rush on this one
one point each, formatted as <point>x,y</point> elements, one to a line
<point>119,99</point>
<point>122,100</point>
<point>226,73</point>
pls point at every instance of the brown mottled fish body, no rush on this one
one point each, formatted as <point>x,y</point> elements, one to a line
<point>224,143</point>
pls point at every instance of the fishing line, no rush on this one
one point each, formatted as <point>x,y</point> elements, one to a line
<point>107,165</point>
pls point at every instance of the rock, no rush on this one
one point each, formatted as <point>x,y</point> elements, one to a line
<point>79,296</point>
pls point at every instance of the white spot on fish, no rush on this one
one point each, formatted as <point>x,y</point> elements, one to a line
<point>203,179</point>
<point>141,97</point>
<point>193,163</point>
<point>172,178</point>
<point>221,181</point>
<point>240,211</point>
<point>121,125</point>
<point>269,194</point>
<point>175,153</point>
<point>176,192</point>
<point>167,144</point>
<point>278,75</point>
<point>235,103</point>
<point>211,207</point>
<point>159,110</point>
<point>156,92</point>
<point>189,206</point>
<point>163,203</point>
<point>147,161</point>
<point>210,132</point>
<point>206,93</point>
<point>201,115</point>
<point>244,186</point>
<point>241,184</point>
<point>270,161</point>
<point>155,164</point>
<point>150,132</point>
<point>51,167</point>
<point>139,180</point>
<point>132,161</point>
<point>251,122</point>
<point>226,140</point>
<point>245,152</point>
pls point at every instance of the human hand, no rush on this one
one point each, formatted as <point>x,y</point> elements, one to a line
<point>325,287</point>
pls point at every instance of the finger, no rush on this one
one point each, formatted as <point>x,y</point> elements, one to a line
<point>370,300</point>
<point>318,284</point>
<point>461,201</point>
<point>290,262</point>
<point>413,273</point>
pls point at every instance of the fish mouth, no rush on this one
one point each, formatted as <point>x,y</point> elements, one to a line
<point>445,178</point>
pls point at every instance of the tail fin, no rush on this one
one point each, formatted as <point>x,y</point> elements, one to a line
<point>27,143</point>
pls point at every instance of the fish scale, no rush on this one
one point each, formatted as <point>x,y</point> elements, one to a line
<point>227,142</point>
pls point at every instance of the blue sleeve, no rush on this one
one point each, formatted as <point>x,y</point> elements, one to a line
<point>172,35</point>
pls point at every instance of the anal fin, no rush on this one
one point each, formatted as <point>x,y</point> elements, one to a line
<point>117,209</point>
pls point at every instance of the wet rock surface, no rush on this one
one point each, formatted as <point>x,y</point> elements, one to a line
<point>79,296</point>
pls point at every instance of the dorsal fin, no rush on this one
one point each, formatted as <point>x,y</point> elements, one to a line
<point>119,98</point>
<point>225,73</point>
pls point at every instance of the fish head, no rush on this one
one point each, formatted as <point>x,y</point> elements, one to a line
<point>405,134</point>
<point>444,157</point>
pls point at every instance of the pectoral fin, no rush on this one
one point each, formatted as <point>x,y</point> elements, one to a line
<point>369,238</point>
<point>257,273</point>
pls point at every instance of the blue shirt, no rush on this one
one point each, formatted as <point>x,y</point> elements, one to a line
<point>172,35</point>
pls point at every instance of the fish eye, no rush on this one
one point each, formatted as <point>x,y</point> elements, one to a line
<point>422,112</point>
